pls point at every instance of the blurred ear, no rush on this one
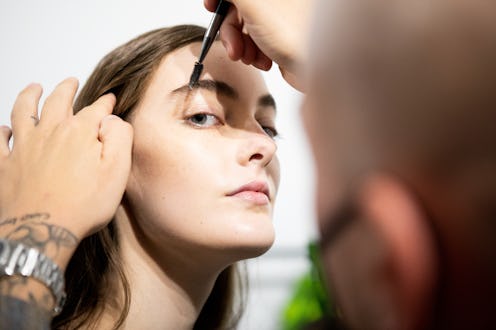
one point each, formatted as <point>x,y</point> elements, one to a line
<point>410,258</point>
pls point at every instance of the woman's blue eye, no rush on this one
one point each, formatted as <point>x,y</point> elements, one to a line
<point>203,119</point>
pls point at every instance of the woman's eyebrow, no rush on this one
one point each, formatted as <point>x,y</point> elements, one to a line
<point>225,89</point>
<point>266,100</point>
<point>209,85</point>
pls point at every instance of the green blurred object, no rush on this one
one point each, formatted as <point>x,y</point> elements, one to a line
<point>310,301</point>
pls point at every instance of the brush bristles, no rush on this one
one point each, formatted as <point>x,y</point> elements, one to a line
<point>197,70</point>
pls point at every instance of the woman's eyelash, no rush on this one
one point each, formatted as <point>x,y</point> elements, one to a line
<point>203,119</point>
<point>270,131</point>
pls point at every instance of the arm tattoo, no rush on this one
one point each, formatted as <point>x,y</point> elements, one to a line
<point>21,315</point>
<point>16,287</point>
<point>19,304</point>
<point>33,230</point>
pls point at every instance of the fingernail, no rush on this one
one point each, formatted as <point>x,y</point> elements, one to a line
<point>33,84</point>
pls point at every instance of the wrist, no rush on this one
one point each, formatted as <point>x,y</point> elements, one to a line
<point>29,290</point>
<point>38,230</point>
<point>24,262</point>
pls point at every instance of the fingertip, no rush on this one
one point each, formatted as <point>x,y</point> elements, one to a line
<point>108,100</point>
<point>110,96</point>
<point>73,81</point>
<point>266,66</point>
<point>262,62</point>
<point>111,117</point>
<point>70,82</point>
<point>115,121</point>
<point>32,88</point>
<point>106,123</point>
<point>63,93</point>
<point>115,134</point>
<point>34,85</point>
<point>210,5</point>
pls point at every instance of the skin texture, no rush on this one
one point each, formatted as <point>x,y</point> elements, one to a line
<point>178,210</point>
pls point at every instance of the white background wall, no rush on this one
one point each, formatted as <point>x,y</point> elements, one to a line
<point>46,41</point>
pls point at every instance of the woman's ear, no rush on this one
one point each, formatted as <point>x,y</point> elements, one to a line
<point>410,266</point>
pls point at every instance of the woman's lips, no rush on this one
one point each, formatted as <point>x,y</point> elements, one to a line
<point>256,192</point>
<point>255,197</point>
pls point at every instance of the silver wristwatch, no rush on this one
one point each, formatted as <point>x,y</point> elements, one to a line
<point>19,259</point>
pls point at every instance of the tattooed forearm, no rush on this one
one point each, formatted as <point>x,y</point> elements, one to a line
<point>30,216</point>
<point>19,287</point>
<point>47,238</point>
<point>34,230</point>
<point>30,296</point>
<point>22,315</point>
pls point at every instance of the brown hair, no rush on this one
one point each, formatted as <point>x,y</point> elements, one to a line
<point>126,72</point>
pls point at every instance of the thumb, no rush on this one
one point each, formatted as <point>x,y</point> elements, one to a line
<point>116,135</point>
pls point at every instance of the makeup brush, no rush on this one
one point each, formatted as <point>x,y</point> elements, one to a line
<point>208,40</point>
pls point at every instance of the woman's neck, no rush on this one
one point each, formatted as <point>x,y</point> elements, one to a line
<point>166,293</point>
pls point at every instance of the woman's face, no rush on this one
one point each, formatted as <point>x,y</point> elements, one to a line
<point>204,174</point>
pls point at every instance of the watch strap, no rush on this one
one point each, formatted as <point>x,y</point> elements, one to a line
<point>21,260</point>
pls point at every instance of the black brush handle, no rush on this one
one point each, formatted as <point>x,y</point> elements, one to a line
<point>213,28</point>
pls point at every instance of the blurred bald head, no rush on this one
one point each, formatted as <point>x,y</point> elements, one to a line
<point>410,87</point>
<point>408,73</point>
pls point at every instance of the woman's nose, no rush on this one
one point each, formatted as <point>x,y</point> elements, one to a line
<point>256,148</point>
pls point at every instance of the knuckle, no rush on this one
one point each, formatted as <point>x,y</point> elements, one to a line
<point>89,112</point>
<point>128,130</point>
<point>72,124</point>
<point>123,128</point>
<point>128,127</point>
<point>107,105</point>
<point>98,109</point>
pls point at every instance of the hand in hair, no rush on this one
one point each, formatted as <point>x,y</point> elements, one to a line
<point>65,174</point>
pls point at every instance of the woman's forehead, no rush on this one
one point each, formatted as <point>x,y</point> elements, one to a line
<point>175,70</point>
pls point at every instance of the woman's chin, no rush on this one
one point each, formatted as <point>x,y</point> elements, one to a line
<point>250,244</point>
